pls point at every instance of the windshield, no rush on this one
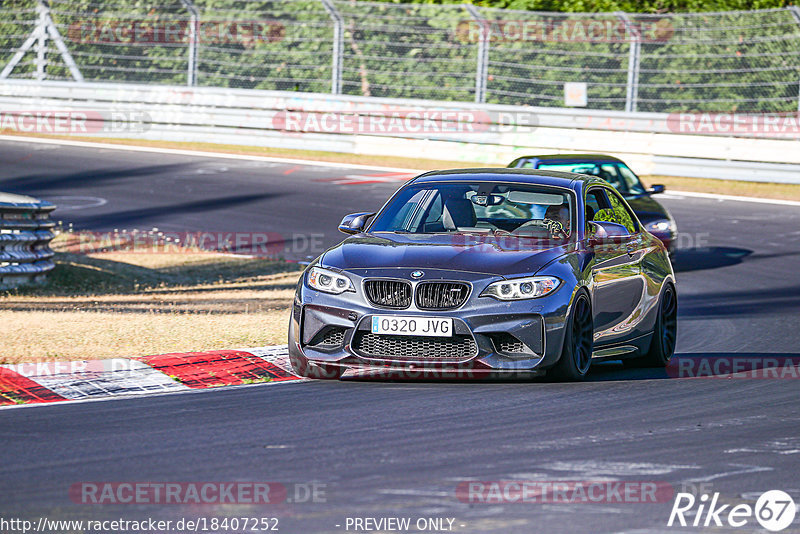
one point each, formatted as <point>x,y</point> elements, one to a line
<point>479,207</point>
<point>617,174</point>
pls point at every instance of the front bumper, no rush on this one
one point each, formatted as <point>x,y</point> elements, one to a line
<point>330,330</point>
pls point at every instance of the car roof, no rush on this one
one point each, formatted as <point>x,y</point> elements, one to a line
<point>526,176</point>
<point>573,158</point>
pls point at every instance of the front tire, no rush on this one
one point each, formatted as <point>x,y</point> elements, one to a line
<point>576,356</point>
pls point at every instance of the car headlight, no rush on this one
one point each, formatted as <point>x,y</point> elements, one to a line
<point>328,281</point>
<point>522,288</point>
<point>660,226</point>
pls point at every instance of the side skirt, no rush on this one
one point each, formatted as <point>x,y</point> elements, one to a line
<point>631,348</point>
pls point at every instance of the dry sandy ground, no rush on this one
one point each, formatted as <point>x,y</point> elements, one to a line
<point>115,304</point>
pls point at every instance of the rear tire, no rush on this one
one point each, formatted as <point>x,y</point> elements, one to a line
<point>665,333</point>
<point>576,355</point>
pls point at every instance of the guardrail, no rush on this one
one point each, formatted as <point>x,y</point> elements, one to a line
<point>488,133</point>
<point>25,235</point>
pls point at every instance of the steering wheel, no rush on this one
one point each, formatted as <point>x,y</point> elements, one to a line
<point>556,228</point>
<point>538,224</point>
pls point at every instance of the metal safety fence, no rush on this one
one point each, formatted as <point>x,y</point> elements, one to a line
<point>25,235</point>
<point>743,61</point>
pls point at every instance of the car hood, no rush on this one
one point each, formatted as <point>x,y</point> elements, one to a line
<point>504,256</point>
<point>647,209</point>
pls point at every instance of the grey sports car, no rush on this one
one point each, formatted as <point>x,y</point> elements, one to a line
<point>491,270</point>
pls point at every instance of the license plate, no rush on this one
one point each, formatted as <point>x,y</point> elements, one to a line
<point>412,326</point>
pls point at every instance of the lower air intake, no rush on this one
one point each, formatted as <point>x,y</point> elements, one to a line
<point>387,347</point>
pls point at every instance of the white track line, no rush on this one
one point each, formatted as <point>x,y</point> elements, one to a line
<point>329,164</point>
<point>713,196</point>
<point>203,154</point>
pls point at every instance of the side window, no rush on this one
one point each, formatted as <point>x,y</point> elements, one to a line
<point>633,185</point>
<point>621,213</point>
<point>595,202</point>
<point>609,173</point>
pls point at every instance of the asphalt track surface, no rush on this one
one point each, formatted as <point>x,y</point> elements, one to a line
<point>400,448</point>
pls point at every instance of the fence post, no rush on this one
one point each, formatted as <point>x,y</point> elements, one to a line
<point>41,41</point>
<point>634,58</point>
<point>482,68</point>
<point>338,46</point>
<point>795,11</point>
<point>55,35</point>
<point>38,37</point>
<point>194,21</point>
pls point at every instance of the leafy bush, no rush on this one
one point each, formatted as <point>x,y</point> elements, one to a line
<point>735,61</point>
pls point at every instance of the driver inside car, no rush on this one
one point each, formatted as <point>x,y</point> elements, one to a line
<point>557,219</point>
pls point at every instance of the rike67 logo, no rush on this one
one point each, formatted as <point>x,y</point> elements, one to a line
<point>774,510</point>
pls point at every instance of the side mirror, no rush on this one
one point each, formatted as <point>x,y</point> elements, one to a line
<point>602,232</point>
<point>656,189</point>
<point>355,222</point>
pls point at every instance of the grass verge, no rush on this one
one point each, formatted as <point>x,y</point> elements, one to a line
<point>117,304</point>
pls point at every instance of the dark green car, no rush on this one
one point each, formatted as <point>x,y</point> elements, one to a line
<point>655,217</point>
